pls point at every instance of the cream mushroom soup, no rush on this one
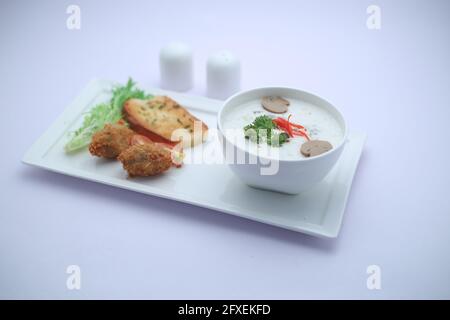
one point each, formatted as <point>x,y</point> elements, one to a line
<point>321,128</point>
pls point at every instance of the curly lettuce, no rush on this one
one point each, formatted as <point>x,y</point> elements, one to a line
<point>104,113</point>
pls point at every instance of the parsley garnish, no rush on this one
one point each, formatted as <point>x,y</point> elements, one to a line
<point>262,130</point>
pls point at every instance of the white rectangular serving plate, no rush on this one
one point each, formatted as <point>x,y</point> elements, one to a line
<point>209,184</point>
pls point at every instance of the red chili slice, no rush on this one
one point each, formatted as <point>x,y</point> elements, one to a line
<point>292,129</point>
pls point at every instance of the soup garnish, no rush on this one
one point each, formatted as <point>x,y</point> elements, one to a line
<point>275,104</point>
<point>274,132</point>
<point>292,129</point>
<point>263,129</point>
<point>315,147</point>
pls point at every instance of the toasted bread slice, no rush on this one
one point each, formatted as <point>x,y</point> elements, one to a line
<point>166,118</point>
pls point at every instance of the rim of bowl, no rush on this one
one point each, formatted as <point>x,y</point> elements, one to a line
<point>227,101</point>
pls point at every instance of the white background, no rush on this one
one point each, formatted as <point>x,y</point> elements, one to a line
<point>392,84</point>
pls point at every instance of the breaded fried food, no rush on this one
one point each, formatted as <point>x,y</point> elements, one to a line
<point>143,160</point>
<point>110,141</point>
<point>164,117</point>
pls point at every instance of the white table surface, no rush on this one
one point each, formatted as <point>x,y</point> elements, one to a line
<point>392,83</point>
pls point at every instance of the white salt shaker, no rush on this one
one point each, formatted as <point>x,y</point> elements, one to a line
<point>223,73</point>
<point>176,67</point>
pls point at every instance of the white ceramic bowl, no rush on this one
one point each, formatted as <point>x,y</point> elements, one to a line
<point>292,176</point>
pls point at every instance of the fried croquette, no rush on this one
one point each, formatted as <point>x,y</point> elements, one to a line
<point>142,160</point>
<point>110,141</point>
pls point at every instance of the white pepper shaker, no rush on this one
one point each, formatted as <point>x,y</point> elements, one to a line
<point>223,73</point>
<point>176,67</point>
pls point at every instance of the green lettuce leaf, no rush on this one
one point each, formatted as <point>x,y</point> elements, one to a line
<point>102,114</point>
